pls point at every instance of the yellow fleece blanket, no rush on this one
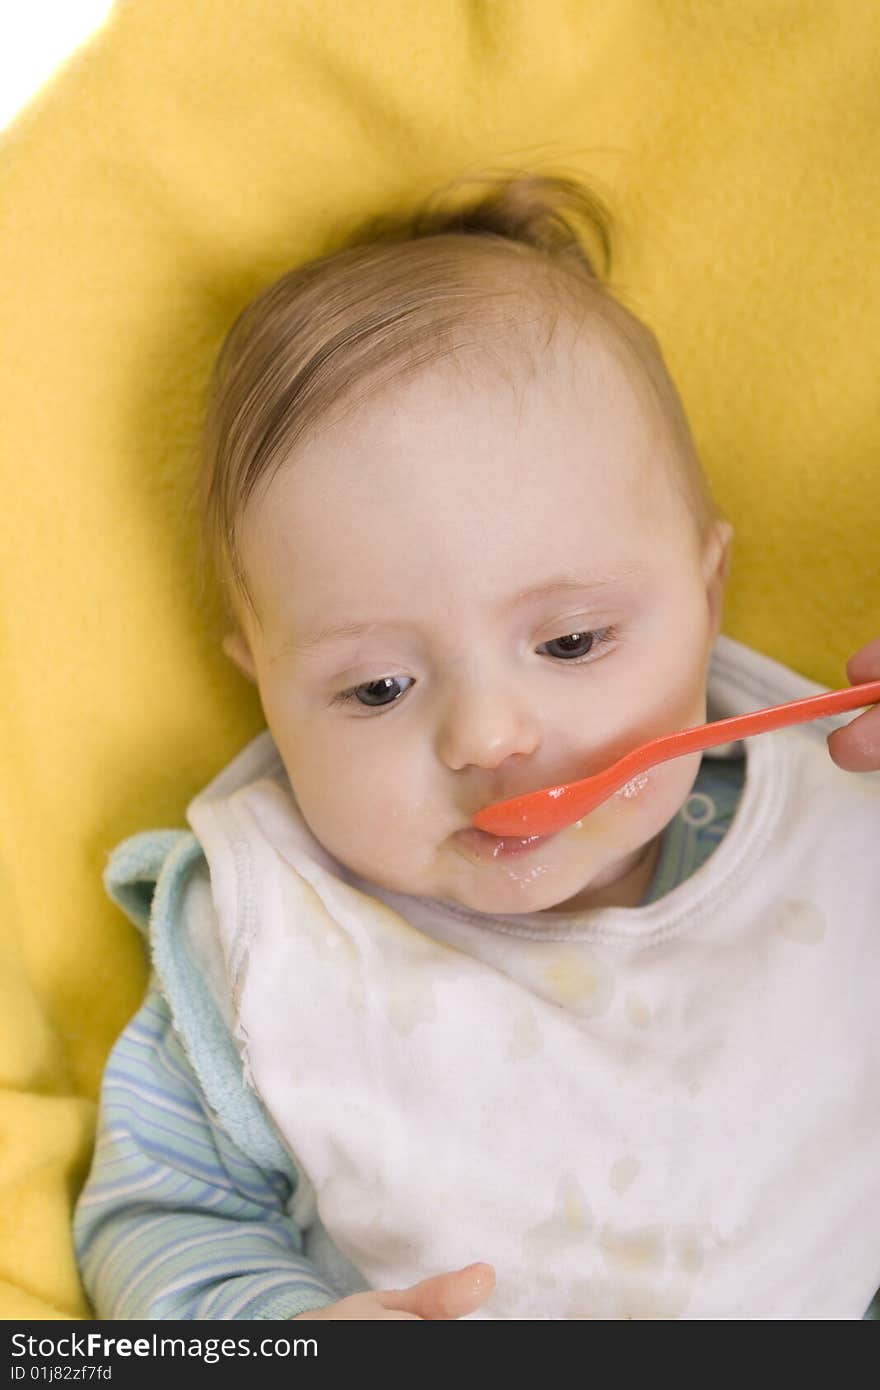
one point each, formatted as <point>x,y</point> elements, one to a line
<point>188,155</point>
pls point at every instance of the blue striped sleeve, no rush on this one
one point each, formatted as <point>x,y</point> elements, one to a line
<point>175,1221</point>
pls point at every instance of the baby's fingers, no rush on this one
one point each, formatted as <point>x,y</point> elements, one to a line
<point>358,1307</point>
<point>443,1295</point>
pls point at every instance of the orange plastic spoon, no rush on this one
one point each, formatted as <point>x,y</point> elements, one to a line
<point>546,811</point>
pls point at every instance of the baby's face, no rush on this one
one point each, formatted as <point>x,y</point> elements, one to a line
<point>532,601</point>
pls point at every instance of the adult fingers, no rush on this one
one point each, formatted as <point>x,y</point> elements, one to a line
<point>856,747</point>
<point>444,1295</point>
<point>864,665</point>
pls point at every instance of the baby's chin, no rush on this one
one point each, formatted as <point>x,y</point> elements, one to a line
<point>572,872</point>
<point>539,887</point>
<point>556,876</point>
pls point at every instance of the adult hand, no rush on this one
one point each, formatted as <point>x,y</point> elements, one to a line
<point>856,747</point>
<point>442,1296</point>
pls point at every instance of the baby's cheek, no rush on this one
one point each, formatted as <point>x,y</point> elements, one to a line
<point>390,840</point>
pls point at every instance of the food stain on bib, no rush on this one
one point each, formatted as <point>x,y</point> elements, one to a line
<point>334,948</point>
<point>623,1173</point>
<point>637,1010</point>
<point>644,1302</point>
<point>690,1252</point>
<point>651,1274</point>
<point>799,920</point>
<point>630,1252</point>
<point>391,924</point>
<point>580,979</point>
<point>637,1300</point>
<point>569,1222</point>
<point>410,1000</point>
<point>526,1038</point>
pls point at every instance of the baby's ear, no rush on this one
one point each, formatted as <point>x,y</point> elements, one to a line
<point>717,556</point>
<point>237,649</point>
<point>723,542</point>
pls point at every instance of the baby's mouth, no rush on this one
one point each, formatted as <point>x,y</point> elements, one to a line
<point>485,847</point>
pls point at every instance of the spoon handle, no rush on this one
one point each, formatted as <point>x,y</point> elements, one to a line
<point>548,810</point>
<point>759,721</point>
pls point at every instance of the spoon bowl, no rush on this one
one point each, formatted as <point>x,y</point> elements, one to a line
<point>546,811</point>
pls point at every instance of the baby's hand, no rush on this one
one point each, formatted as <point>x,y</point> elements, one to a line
<point>856,747</point>
<point>442,1296</point>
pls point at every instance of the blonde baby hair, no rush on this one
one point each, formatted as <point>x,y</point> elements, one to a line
<point>401,292</point>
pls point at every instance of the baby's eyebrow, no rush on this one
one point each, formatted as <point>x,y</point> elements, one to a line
<point>566,583</point>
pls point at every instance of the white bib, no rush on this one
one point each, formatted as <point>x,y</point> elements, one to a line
<point>661,1112</point>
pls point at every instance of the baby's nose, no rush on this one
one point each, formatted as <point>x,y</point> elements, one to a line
<point>484,724</point>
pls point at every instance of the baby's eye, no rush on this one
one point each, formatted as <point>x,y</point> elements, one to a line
<point>573,644</point>
<point>578,644</point>
<point>372,693</point>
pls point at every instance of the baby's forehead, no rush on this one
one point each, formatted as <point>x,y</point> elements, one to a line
<point>478,432</point>
<point>470,421</point>
<point>494,443</point>
<point>573,371</point>
<point>491,414</point>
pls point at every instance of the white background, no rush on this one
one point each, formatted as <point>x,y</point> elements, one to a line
<point>36,36</point>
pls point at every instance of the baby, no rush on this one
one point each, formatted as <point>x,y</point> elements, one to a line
<point>391,1066</point>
